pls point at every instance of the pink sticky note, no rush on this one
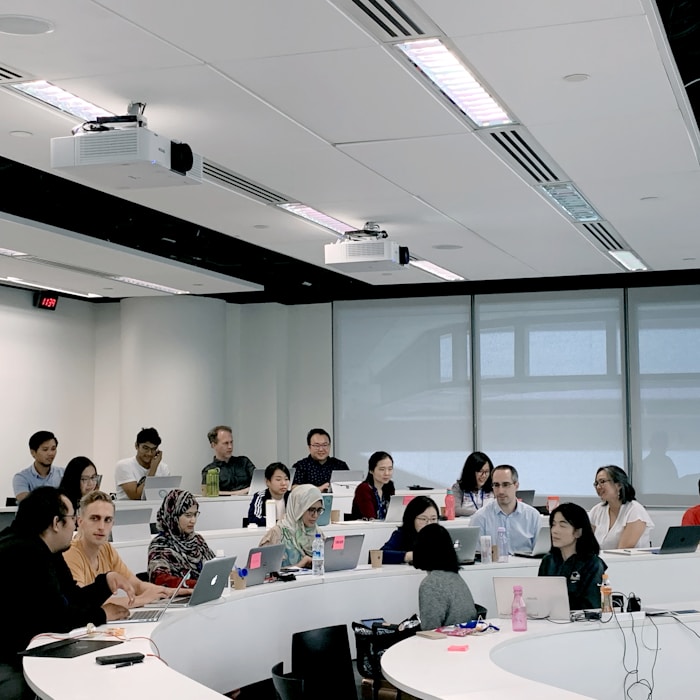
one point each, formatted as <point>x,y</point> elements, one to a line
<point>255,560</point>
<point>458,647</point>
<point>339,542</point>
<point>407,499</point>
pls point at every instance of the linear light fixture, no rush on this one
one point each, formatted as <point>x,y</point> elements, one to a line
<point>60,99</point>
<point>454,80</point>
<point>567,197</point>
<point>436,270</point>
<point>318,217</point>
<point>628,259</point>
<point>12,253</point>
<point>24,283</point>
<point>147,285</point>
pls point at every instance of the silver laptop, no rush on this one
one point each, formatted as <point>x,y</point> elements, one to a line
<point>157,487</point>
<point>341,552</point>
<point>397,505</point>
<point>345,481</point>
<point>526,496</point>
<point>132,524</point>
<point>543,544</point>
<point>545,596</point>
<point>325,517</point>
<point>153,612</point>
<point>262,561</point>
<point>466,541</point>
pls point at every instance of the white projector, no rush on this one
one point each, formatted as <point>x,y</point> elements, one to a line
<point>127,159</point>
<point>365,256</point>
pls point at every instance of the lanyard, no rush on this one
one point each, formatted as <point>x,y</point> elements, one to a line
<point>481,494</point>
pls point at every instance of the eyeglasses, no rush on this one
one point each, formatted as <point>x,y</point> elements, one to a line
<point>315,511</point>
<point>320,446</point>
<point>484,472</point>
<point>191,516</point>
<point>600,482</point>
<point>502,485</point>
<point>148,448</point>
<point>74,517</point>
<point>87,479</point>
<point>424,519</point>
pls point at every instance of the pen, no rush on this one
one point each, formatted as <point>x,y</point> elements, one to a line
<point>129,663</point>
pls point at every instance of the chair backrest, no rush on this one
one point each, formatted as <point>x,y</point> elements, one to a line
<point>321,657</point>
<point>286,687</point>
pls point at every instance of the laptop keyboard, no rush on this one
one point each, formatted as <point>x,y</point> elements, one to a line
<point>144,614</point>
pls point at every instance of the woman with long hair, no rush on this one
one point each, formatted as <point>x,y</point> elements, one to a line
<point>473,488</point>
<point>372,496</point>
<point>421,511</point>
<point>79,478</point>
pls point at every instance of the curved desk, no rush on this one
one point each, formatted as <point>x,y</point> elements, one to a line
<point>236,640</point>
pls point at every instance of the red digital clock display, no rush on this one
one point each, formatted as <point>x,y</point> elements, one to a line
<point>46,300</point>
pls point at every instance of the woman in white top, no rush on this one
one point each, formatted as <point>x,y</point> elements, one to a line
<point>473,489</point>
<point>620,521</point>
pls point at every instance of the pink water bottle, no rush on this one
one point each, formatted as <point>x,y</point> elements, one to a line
<point>518,611</point>
<point>450,505</point>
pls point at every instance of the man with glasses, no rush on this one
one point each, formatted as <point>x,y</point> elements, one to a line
<point>37,586</point>
<point>235,473</point>
<point>130,475</point>
<point>520,520</point>
<point>42,447</point>
<point>317,467</point>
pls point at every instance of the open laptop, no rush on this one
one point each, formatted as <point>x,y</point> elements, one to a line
<point>132,524</point>
<point>341,552</point>
<point>543,543</point>
<point>466,541</point>
<point>526,496</point>
<point>154,611</point>
<point>157,487</point>
<point>325,517</point>
<point>345,481</point>
<point>397,505</point>
<point>262,561</point>
<point>679,539</point>
<point>545,596</point>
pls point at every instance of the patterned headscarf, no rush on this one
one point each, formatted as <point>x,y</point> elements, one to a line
<point>171,551</point>
<point>294,533</point>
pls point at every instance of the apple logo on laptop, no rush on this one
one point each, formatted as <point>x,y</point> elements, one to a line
<point>213,581</point>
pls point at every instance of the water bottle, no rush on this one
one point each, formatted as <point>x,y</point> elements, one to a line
<point>450,505</point>
<point>317,556</point>
<point>502,546</point>
<point>212,482</point>
<point>270,513</point>
<point>606,595</point>
<point>518,611</point>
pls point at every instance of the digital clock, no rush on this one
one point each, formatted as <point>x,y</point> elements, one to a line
<point>46,300</point>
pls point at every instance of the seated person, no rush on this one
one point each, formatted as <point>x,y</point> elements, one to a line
<point>90,553</point>
<point>79,479</point>
<point>42,447</point>
<point>443,597</point>
<point>177,549</point>
<point>473,488</point>
<point>130,475</point>
<point>277,482</point>
<point>521,521</point>
<point>235,473</point>
<point>421,511</point>
<point>372,496</point>
<point>317,467</point>
<point>297,530</point>
<point>574,555</point>
<point>692,515</point>
<point>620,521</point>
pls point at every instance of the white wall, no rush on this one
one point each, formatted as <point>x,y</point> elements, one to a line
<point>96,374</point>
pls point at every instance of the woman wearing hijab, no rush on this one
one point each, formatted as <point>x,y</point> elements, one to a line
<point>177,549</point>
<point>297,530</point>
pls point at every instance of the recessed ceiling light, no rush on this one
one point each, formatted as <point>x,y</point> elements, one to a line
<point>21,134</point>
<point>318,217</point>
<point>24,25</point>
<point>37,285</point>
<point>147,285</point>
<point>447,246</point>
<point>568,198</point>
<point>629,260</point>
<point>60,99</point>
<point>576,77</point>
<point>436,270</point>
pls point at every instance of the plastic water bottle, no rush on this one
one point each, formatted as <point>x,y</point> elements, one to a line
<point>450,505</point>
<point>270,514</point>
<point>606,595</point>
<point>502,546</point>
<point>317,555</point>
<point>518,611</point>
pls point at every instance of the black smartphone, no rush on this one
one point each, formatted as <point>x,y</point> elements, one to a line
<point>120,658</point>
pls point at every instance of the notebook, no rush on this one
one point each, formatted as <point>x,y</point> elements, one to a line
<point>466,541</point>
<point>526,496</point>
<point>132,524</point>
<point>543,543</point>
<point>262,561</point>
<point>679,539</point>
<point>70,648</point>
<point>545,596</point>
<point>341,552</point>
<point>345,481</point>
<point>156,488</point>
<point>397,505</point>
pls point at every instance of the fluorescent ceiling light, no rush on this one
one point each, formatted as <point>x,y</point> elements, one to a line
<point>12,253</point>
<point>436,270</point>
<point>147,285</point>
<point>567,197</point>
<point>318,217</point>
<point>24,283</point>
<point>454,80</point>
<point>629,260</point>
<point>60,99</point>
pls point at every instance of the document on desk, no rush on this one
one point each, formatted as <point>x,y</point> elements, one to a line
<point>295,570</point>
<point>627,552</point>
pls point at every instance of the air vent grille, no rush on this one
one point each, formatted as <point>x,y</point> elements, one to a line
<point>120,142</point>
<point>11,75</point>
<point>605,236</point>
<point>219,175</point>
<point>362,249</point>
<point>522,152</point>
<point>390,21</point>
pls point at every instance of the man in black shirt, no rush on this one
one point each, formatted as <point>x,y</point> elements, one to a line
<point>235,473</point>
<point>317,467</point>
<point>37,586</point>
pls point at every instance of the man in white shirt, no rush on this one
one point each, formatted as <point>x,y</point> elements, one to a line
<point>130,475</point>
<point>520,520</point>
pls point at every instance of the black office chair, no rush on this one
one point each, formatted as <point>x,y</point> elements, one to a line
<point>322,659</point>
<point>286,686</point>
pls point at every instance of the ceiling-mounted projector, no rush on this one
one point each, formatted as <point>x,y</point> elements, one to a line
<point>126,157</point>
<point>372,253</point>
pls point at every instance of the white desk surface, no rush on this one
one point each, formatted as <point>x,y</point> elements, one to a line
<point>236,640</point>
